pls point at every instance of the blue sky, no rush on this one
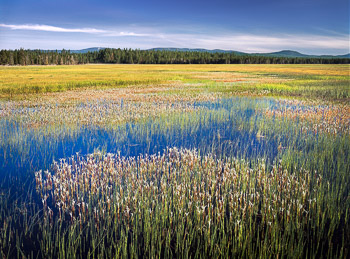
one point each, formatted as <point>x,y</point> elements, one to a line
<point>308,26</point>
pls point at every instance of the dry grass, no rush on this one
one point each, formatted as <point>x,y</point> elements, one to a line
<point>329,118</point>
<point>21,81</point>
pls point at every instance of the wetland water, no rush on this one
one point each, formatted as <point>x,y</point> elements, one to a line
<point>226,128</point>
<point>287,166</point>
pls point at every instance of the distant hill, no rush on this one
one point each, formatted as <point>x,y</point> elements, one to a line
<point>87,50</point>
<point>282,53</point>
<point>296,54</point>
<point>77,51</point>
<point>200,50</point>
<point>344,56</point>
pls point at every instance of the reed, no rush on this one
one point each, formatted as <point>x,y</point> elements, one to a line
<point>182,168</point>
<point>182,193</point>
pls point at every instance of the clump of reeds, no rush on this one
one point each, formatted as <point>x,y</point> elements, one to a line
<point>90,113</point>
<point>180,183</point>
<point>332,118</point>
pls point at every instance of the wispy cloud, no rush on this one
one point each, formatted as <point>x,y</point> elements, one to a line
<point>143,37</point>
<point>310,44</point>
<point>49,28</point>
<point>41,27</point>
<point>125,33</point>
<point>260,43</point>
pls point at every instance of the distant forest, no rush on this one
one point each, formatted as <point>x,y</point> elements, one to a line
<point>130,56</point>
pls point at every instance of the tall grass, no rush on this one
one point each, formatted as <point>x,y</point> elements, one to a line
<point>198,203</point>
<point>113,167</point>
<point>248,184</point>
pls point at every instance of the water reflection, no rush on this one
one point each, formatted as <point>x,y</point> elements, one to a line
<point>226,128</point>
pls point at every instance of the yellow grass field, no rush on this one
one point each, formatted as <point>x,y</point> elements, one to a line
<point>295,80</point>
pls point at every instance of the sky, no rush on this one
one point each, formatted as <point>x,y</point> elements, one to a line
<point>307,26</point>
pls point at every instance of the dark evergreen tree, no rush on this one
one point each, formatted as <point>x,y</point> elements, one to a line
<point>129,56</point>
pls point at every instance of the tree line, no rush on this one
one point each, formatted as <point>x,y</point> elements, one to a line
<point>134,56</point>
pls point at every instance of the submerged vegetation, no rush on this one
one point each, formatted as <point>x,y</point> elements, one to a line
<point>192,161</point>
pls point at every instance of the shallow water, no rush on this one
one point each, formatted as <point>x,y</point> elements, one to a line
<point>238,127</point>
<point>227,128</point>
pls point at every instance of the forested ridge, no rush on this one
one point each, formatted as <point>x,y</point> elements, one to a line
<point>136,56</point>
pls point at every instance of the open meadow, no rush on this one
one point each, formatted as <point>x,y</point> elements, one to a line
<point>164,161</point>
